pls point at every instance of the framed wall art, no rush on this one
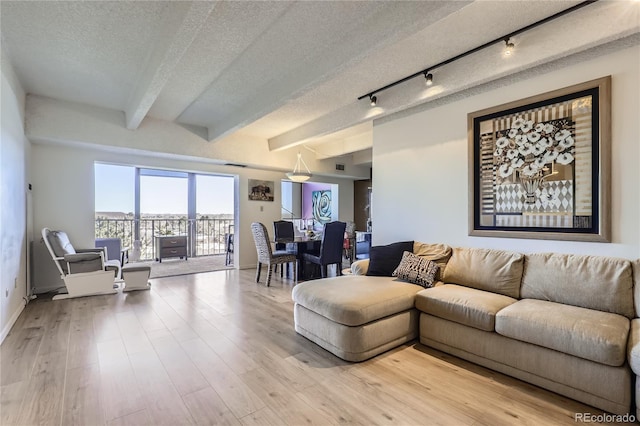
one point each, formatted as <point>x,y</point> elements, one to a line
<point>321,204</point>
<point>540,167</point>
<point>261,190</point>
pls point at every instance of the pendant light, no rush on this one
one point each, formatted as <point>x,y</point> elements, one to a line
<point>297,175</point>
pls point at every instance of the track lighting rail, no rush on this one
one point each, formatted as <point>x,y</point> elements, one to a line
<point>505,38</point>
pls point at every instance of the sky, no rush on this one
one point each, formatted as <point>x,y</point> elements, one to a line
<point>115,186</point>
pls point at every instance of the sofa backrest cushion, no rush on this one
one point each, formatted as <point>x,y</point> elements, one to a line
<point>383,260</point>
<point>438,253</point>
<point>484,269</point>
<point>636,286</point>
<point>594,282</point>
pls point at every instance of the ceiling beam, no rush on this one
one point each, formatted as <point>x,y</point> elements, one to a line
<point>385,24</point>
<point>188,19</point>
<point>344,146</point>
<point>327,124</point>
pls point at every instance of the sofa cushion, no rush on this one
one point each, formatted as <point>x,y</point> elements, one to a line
<point>383,260</point>
<point>439,253</point>
<point>356,299</point>
<point>464,305</point>
<point>416,270</point>
<point>593,282</point>
<point>585,333</point>
<point>491,270</point>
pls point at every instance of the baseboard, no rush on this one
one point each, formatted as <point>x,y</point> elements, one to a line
<point>12,321</point>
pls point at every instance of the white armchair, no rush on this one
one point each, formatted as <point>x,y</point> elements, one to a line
<point>84,271</point>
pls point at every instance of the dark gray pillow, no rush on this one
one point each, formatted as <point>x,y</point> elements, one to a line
<point>383,260</point>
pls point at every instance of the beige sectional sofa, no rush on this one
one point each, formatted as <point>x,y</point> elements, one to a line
<point>566,323</point>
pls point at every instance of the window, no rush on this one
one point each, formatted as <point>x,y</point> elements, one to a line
<point>137,204</point>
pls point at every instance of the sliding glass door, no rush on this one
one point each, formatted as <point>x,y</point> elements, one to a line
<point>139,204</point>
<point>163,207</point>
<point>213,218</point>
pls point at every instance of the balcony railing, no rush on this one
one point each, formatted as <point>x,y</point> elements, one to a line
<point>204,236</point>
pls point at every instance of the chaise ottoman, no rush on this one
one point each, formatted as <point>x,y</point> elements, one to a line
<point>356,317</point>
<point>136,277</point>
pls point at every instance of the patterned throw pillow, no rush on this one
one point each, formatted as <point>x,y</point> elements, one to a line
<point>416,270</point>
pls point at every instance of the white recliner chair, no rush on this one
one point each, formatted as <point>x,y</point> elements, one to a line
<point>84,271</point>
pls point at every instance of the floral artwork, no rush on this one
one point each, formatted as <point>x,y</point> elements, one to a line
<point>530,150</point>
<point>537,166</point>
<point>321,204</point>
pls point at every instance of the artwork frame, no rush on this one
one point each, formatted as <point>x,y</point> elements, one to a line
<point>261,190</point>
<point>540,167</point>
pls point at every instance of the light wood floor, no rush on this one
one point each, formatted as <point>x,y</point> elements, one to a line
<point>217,348</point>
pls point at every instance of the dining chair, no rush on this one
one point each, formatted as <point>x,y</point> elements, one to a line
<point>228,243</point>
<point>283,233</point>
<point>350,241</point>
<point>267,256</point>
<point>331,248</point>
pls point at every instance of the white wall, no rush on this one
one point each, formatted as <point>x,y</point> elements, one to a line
<point>14,152</point>
<point>420,163</point>
<point>50,120</point>
<point>63,196</point>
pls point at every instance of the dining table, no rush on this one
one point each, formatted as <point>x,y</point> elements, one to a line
<point>300,245</point>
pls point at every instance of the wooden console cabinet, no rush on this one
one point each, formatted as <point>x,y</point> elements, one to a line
<point>170,246</point>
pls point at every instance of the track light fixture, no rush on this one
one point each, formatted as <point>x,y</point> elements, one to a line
<point>508,46</point>
<point>506,39</point>
<point>428,78</point>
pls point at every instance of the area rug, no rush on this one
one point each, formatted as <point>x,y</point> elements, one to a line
<point>193,265</point>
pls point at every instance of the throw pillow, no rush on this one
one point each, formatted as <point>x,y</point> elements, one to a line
<point>439,253</point>
<point>416,270</point>
<point>383,260</point>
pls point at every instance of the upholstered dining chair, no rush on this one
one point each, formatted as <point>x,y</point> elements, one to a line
<point>350,241</point>
<point>267,256</point>
<point>283,233</point>
<point>331,248</point>
<point>229,243</point>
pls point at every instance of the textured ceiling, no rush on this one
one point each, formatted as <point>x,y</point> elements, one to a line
<point>286,72</point>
